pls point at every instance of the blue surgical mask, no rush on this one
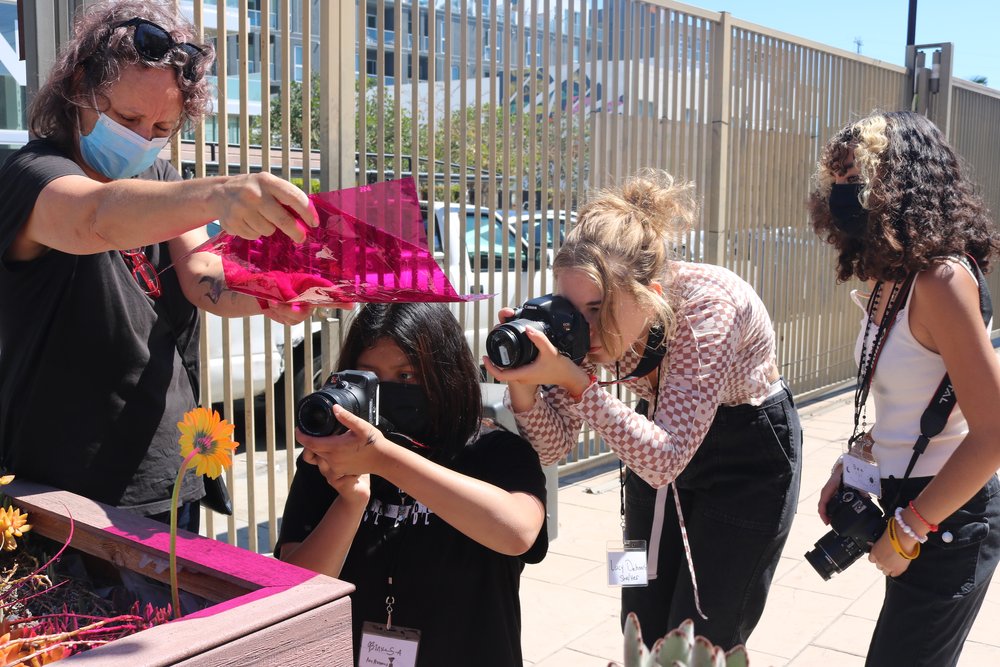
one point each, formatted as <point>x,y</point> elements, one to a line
<point>118,152</point>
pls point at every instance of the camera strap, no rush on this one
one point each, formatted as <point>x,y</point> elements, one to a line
<point>651,356</point>
<point>936,414</point>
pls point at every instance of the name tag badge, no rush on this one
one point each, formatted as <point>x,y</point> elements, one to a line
<point>862,475</point>
<point>627,563</point>
<point>388,647</point>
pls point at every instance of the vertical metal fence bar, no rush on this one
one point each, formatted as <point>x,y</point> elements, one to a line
<point>249,443</point>
<point>285,104</point>
<point>270,433</point>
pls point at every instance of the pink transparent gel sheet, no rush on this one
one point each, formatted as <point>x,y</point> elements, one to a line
<point>370,246</point>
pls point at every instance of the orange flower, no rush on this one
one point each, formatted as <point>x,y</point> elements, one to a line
<point>210,438</point>
<point>13,525</point>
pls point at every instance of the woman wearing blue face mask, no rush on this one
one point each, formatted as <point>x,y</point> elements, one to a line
<point>99,356</point>
<point>893,199</point>
<point>454,508</point>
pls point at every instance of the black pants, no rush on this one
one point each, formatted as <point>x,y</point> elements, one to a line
<point>929,609</point>
<point>188,516</point>
<point>738,495</point>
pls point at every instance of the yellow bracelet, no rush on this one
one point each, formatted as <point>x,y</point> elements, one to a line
<point>897,547</point>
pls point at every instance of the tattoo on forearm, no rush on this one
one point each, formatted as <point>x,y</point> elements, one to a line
<point>371,438</point>
<point>216,286</point>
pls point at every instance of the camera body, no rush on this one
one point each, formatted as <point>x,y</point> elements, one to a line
<point>856,522</point>
<point>508,346</point>
<point>355,391</point>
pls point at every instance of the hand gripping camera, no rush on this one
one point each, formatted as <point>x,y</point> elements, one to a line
<point>355,391</point>
<point>856,522</point>
<point>508,346</point>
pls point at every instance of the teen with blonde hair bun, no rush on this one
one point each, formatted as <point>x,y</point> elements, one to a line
<point>718,427</point>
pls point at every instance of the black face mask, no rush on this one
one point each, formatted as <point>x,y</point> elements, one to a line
<point>404,406</point>
<point>849,216</point>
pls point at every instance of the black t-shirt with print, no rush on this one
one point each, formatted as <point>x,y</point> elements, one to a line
<point>92,384</point>
<point>462,596</point>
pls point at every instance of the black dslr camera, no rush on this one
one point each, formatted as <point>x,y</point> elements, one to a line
<point>856,522</point>
<point>355,391</point>
<point>507,346</point>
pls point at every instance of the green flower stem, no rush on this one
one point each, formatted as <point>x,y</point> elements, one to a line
<point>174,498</point>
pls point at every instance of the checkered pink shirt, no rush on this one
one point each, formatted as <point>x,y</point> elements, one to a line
<point>721,354</point>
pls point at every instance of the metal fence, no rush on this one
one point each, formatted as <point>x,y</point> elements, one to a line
<point>522,107</point>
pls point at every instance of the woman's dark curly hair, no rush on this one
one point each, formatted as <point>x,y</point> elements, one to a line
<point>434,342</point>
<point>920,205</point>
<point>91,62</point>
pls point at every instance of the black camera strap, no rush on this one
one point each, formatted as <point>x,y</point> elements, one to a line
<point>936,414</point>
<point>651,356</point>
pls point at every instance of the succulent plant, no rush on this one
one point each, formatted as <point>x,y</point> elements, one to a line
<point>679,648</point>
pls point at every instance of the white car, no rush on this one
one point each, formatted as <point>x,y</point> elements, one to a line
<point>261,354</point>
<point>506,265</point>
<point>509,268</point>
<point>545,229</point>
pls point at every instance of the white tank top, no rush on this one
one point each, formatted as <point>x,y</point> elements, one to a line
<point>906,378</point>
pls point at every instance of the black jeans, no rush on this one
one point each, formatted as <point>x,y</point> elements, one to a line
<point>929,609</point>
<point>738,496</point>
<point>188,516</point>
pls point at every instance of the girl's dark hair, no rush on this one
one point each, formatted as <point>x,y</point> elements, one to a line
<point>91,62</point>
<point>921,207</point>
<point>434,342</point>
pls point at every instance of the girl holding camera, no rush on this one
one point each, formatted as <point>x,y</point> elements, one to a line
<point>719,427</point>
<point>891,197</point>
<point>436,541</point>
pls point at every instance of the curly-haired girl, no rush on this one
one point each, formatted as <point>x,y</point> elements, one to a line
<point>696,343</point>
<point>892,198</point>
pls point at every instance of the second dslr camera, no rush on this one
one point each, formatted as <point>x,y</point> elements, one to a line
<point>508,346</point>
<point>856,522</point>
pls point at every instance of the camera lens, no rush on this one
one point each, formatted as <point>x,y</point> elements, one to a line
<point>314,415</point>
<point>833,553</point>
<point>507,346</point>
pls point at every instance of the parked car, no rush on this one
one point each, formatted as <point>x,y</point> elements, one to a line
<point>260,355</point>
<point>506,265</point>
<point>545,229</point>
<point>502,263</point>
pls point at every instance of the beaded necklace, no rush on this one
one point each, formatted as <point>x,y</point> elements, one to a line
<point>870,355</point>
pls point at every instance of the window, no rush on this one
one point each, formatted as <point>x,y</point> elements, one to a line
<point>297,63</point>
<point>13,80</point>
<point>478,224</point>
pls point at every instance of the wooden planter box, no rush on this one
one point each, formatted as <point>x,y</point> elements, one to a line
<point>267,611</point>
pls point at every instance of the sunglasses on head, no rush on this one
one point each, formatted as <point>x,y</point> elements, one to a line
<point>153,43</point>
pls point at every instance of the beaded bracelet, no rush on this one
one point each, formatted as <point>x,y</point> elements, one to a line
<point>912,534</point>
<point>897,547</point>
<point>931,527</point>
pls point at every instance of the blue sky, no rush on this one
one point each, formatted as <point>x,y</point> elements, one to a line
<point>973,26</point>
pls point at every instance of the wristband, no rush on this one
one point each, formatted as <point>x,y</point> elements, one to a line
<point>931,527</point>
<point>577,397</point>
<point>912,534</point>
<point>896,546</point>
